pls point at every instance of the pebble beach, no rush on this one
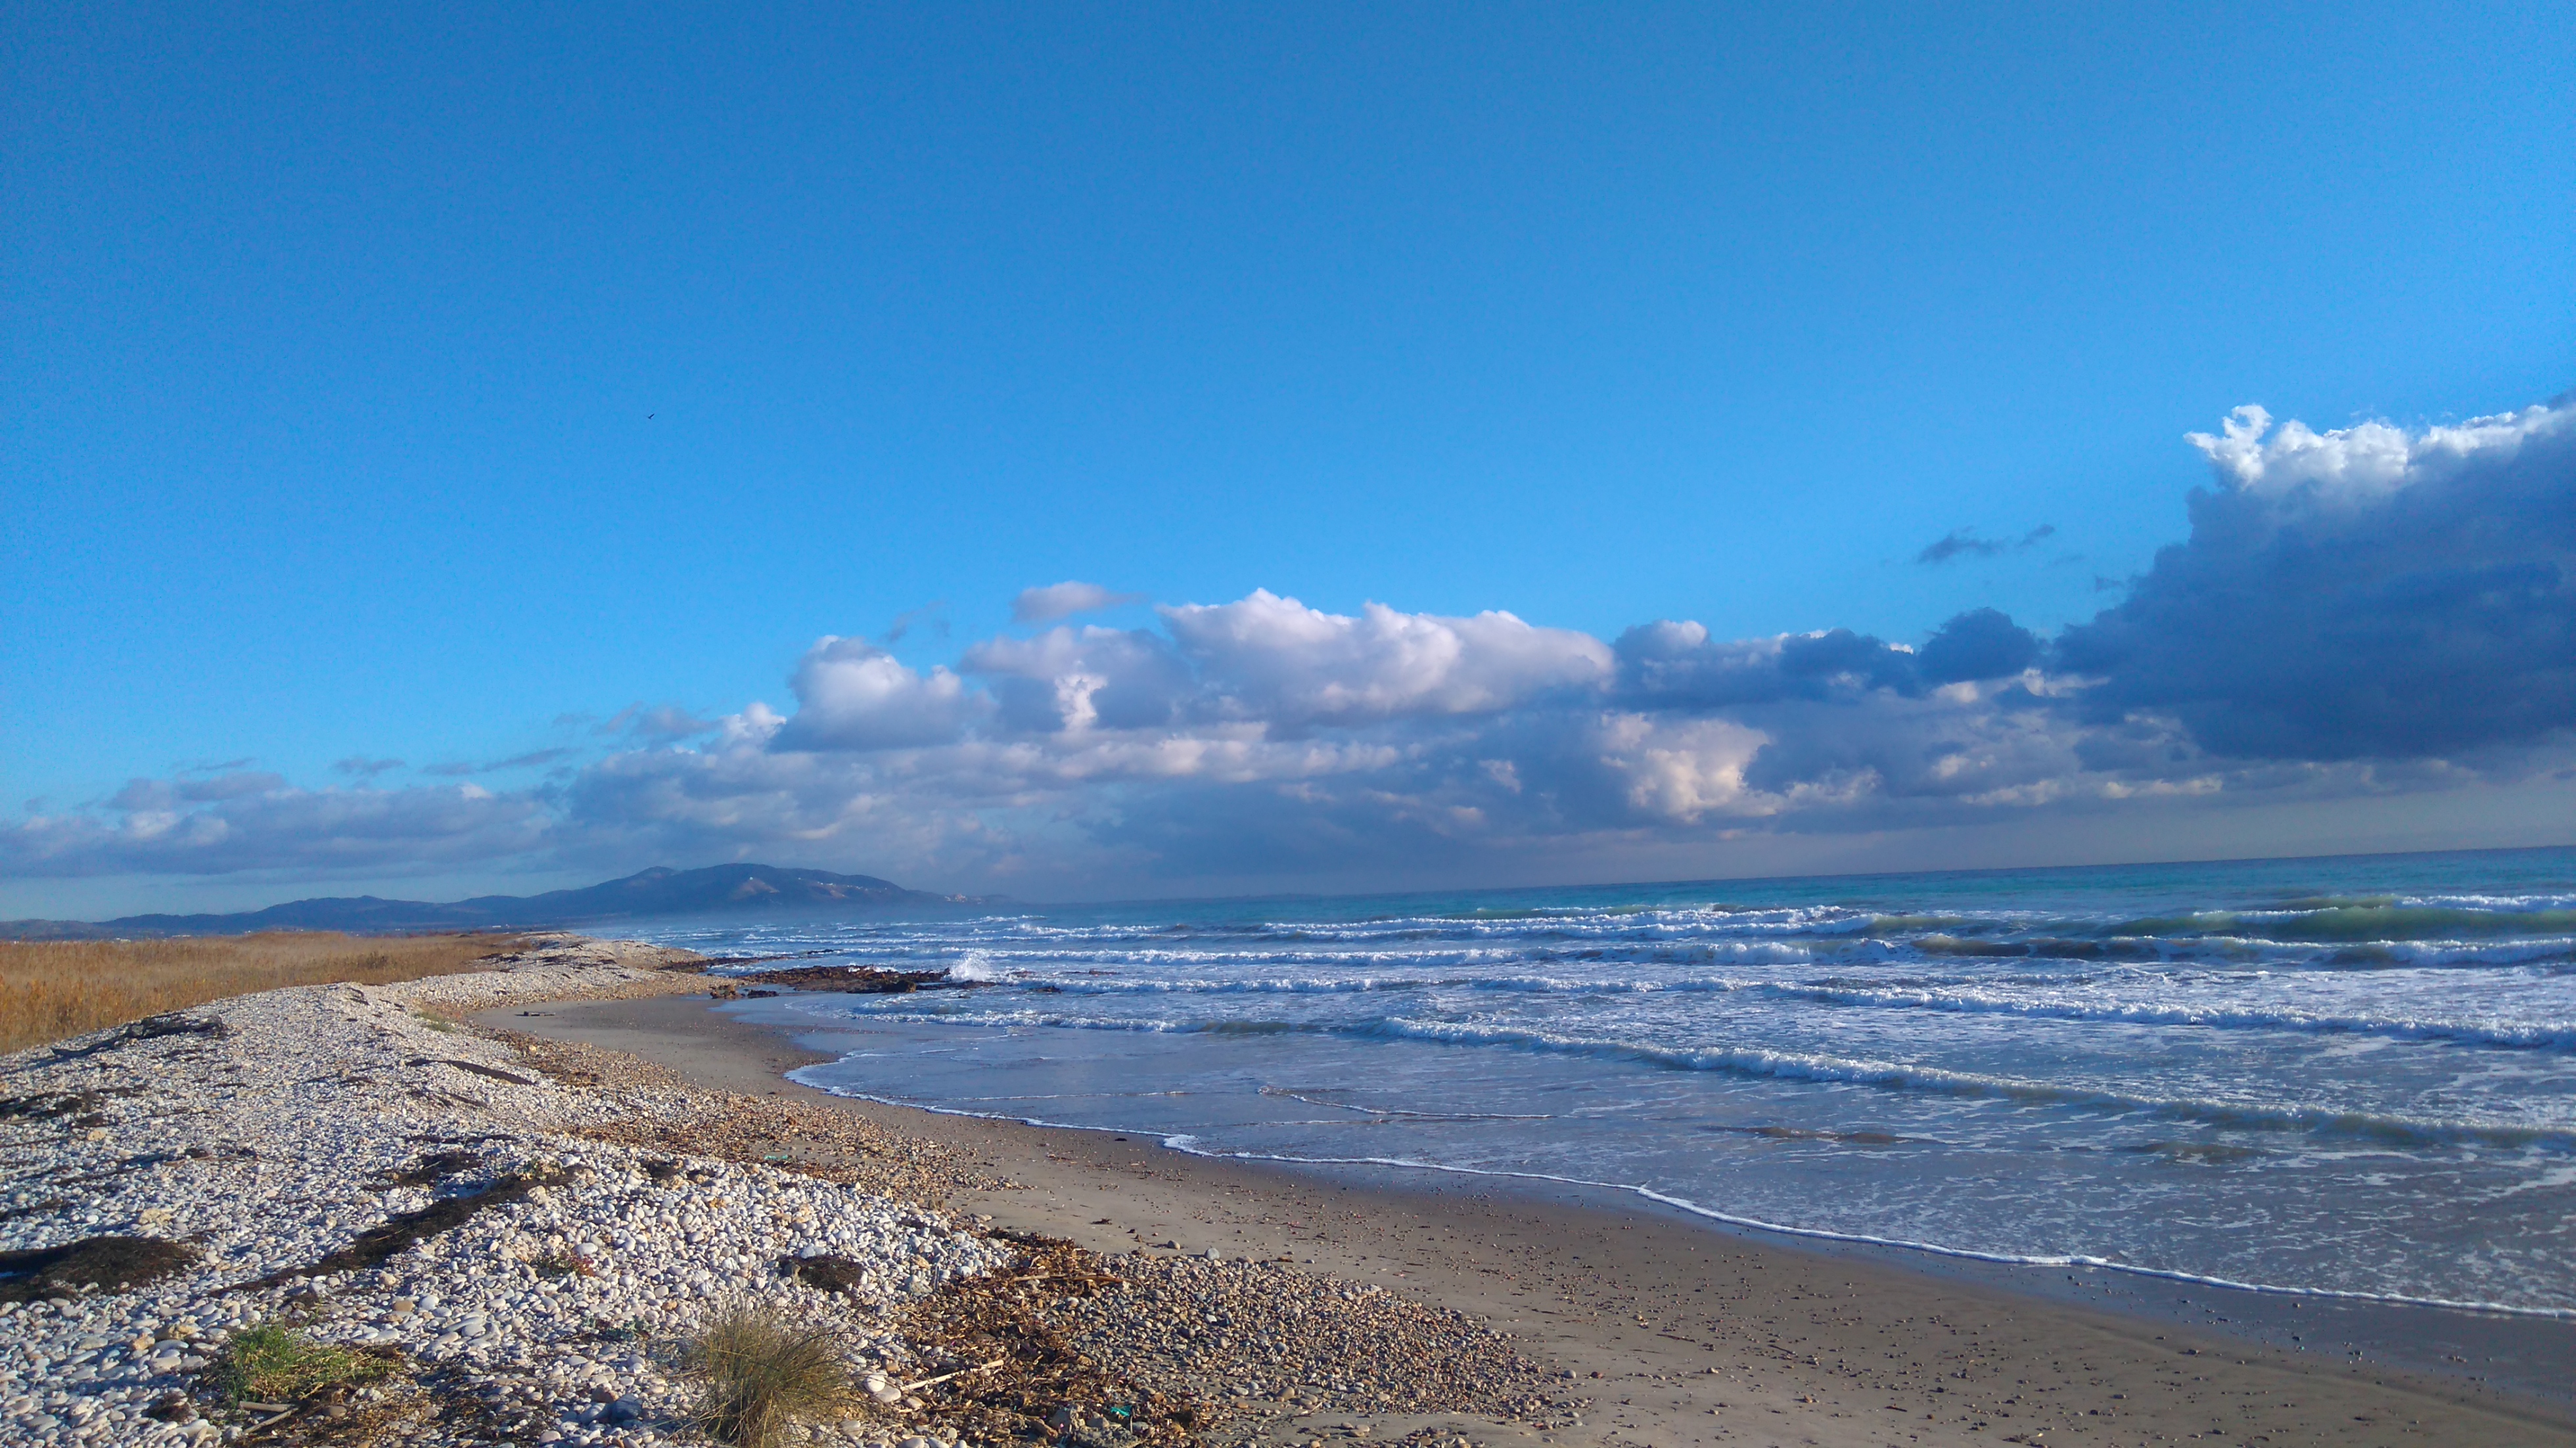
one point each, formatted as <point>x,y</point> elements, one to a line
<point>519,1237</point>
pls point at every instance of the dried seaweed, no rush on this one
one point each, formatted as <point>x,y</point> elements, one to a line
<point>1044,1386</point>
<point>109,1264</point>
<point>151,1028</point>
<point>400,1232</point>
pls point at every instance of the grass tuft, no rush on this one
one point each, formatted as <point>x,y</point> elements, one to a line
<point>53,989</point>
<point>269,1362</point>
<point>757,1374</point>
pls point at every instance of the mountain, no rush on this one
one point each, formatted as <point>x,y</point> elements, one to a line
<point>736,891</point>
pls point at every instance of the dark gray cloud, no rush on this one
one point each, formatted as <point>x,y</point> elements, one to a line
<point>1964,543</point>
<point>1982,643</point>
<point>933,615</point>
<point>164,830</point>
<point>1672,665</point>
<point>455,769</point>
<point>2363,593</point>
<point>363,767</point>
<point>166,794</point>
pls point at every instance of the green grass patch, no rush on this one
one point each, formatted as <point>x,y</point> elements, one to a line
<point>269,1362</point>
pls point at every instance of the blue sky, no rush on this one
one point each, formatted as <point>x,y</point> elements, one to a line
<point>434,388</point>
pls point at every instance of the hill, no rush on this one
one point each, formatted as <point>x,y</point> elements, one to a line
<point>724,891</point>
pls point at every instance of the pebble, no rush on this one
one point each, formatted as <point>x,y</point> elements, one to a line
<point>272,1145</point>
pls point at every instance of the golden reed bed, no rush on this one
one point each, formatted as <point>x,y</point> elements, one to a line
<point>53,989</point>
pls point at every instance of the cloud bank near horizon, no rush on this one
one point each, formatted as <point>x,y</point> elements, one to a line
<point>2363,610</point>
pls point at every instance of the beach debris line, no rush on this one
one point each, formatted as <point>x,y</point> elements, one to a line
<point>1010,1372</point>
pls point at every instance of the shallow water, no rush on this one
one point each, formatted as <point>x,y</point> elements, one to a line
<point>2351,1075</point>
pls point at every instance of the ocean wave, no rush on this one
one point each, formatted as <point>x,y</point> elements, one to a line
<point>1761,1064</point>
<point>2349,923</point>
<point>1367,984</point>
<point>2543,1035</point>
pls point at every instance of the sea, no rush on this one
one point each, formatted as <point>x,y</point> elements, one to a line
<point>2348,1078</point>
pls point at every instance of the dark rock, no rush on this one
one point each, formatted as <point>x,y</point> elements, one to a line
<point>831,1274</point>
<point>858,979</point>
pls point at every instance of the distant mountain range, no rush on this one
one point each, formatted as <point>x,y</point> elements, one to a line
<point>730,891</point>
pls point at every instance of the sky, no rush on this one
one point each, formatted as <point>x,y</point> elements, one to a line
<point>1084,452</point>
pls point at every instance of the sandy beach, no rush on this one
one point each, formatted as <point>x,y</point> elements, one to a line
<point>1677,1333</point>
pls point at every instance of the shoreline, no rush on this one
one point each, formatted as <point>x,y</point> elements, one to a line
<point>1820,1341</point>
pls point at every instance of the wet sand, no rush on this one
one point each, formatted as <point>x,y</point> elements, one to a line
<point>1680,1333</point>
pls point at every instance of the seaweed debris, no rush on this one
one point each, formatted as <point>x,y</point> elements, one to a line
<point>400,1231</point>
<point>107,1264</point>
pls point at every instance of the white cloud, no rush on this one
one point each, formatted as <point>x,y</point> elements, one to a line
<point>1277,660</point>
<point>853,695</point>
<point>1683,770</point>
<point>2369,460</point>
<point>1064,600</point>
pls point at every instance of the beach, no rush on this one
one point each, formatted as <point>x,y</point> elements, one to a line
<point>507,1203</point>
<point>1696,1336</point>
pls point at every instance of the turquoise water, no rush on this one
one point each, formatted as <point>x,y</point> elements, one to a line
<point>2352,1075</point>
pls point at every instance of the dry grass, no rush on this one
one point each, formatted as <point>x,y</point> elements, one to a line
<point>53,989</point>
<point>758,1374</point>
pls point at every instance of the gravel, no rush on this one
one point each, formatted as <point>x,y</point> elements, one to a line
<point>297,1130</point>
